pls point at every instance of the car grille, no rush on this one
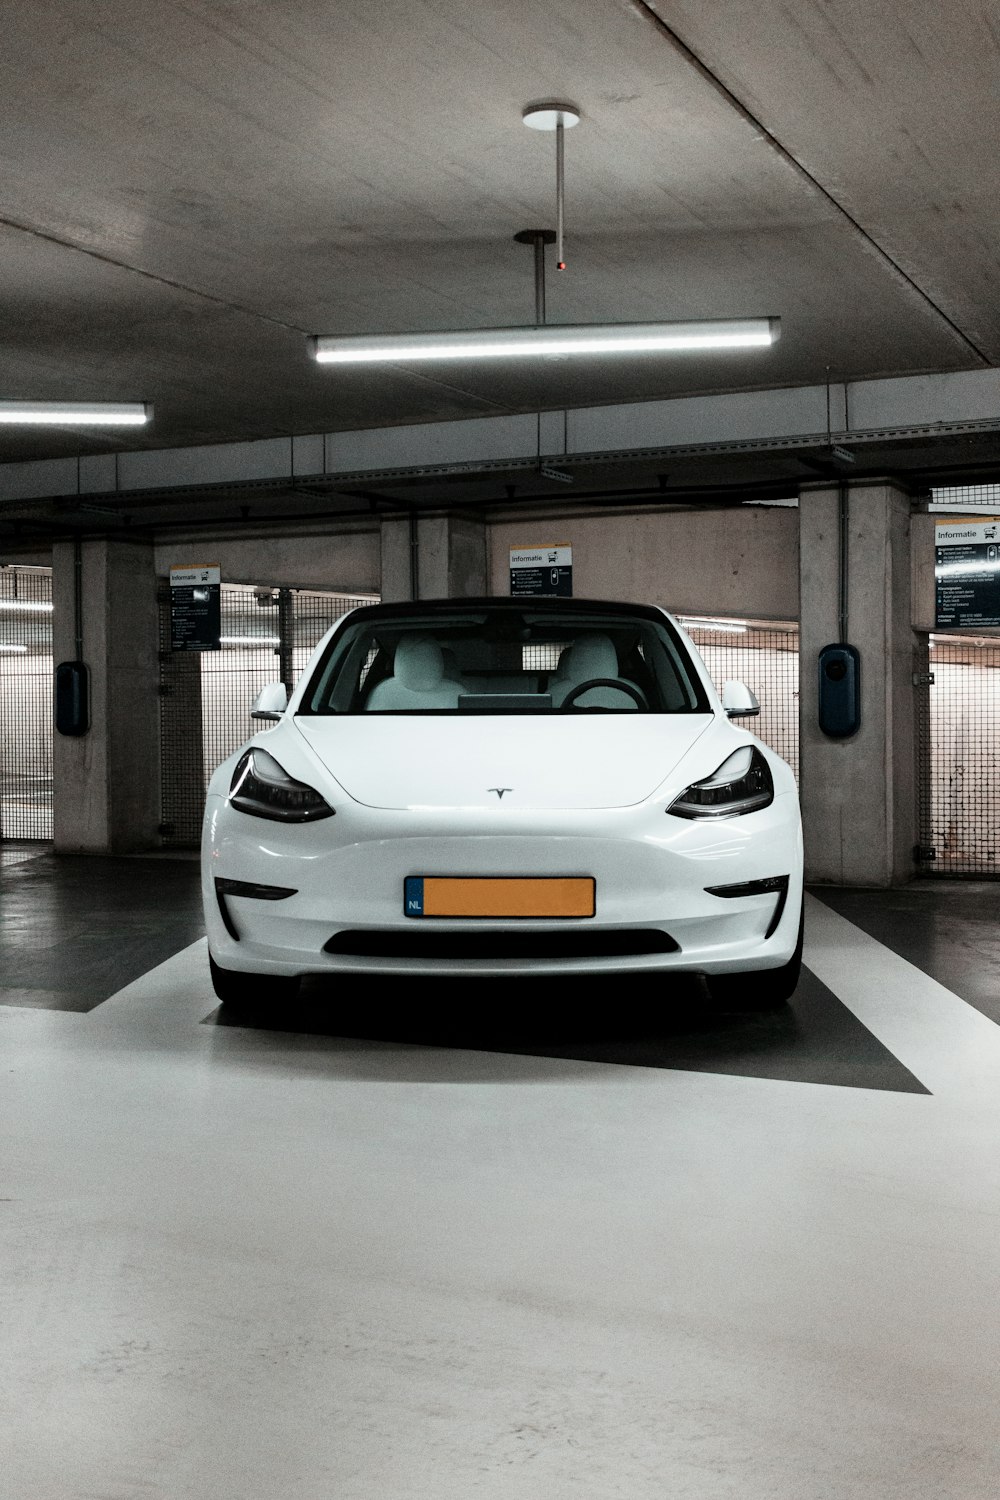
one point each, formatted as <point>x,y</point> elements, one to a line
<point>501,944</point>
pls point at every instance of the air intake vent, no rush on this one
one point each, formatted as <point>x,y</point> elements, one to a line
<point>501,944</point>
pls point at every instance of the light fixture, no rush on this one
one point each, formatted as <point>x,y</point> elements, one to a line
<point>75,413</point>
<point>707,335</point>
<point>569,338</point>
<point>27,606</point>
<point>13,650</point>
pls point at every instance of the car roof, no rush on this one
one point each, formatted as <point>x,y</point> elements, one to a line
<point>544,605</point>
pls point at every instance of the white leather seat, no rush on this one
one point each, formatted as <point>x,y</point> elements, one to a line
<point>417,680</point>
<point>590,656</point>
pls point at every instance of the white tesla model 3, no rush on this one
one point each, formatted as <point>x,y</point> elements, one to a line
<point>504,786</point>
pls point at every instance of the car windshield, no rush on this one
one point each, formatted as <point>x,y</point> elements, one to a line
<point>504,660</point>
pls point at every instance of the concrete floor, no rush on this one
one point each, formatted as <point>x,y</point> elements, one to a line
<point>243,1262</point>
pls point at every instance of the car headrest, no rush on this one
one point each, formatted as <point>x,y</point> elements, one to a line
<point>418,663</point>
<point>590,656</point>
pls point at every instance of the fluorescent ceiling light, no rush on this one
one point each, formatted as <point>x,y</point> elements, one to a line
<point>553,340</point>
<point>20,650</point>
<point>75,413</point>
<point>29,606</point>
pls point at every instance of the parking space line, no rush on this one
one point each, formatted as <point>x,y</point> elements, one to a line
<point>951,1047</point>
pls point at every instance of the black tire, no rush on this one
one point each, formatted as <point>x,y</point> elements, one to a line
<point>761,989</point>
<point>246,993</point>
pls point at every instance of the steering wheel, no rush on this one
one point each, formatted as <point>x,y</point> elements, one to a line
<point>611,682</point>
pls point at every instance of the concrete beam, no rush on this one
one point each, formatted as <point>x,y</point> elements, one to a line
<point>858,412</point>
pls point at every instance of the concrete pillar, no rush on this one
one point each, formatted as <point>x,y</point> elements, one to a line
<point>859,795</point>
<point>106,784</point>
<point>450,553</point>
<point>395,547</point>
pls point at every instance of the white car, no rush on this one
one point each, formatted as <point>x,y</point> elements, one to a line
<point>499,787</point>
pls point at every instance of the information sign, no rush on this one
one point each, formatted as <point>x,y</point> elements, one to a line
<point>967,573</point>
<point>535,571</point>
<point>195,608</point>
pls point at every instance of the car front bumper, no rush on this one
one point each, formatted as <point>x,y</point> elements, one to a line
<point>651,871</point>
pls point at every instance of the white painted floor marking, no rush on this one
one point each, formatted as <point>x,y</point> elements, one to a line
<point>946,1043</point>
<point>949,1045</point>
<point>174,995</point>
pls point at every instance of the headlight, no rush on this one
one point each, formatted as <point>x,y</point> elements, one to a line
<point>262,788</point>
<point>742,784</point>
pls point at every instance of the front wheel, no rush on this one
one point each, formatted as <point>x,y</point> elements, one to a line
<point>761,989</point>
<point>251,992</point>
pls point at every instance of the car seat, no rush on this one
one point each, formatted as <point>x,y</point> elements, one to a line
<point>417,680</point>
<point>590,656</point>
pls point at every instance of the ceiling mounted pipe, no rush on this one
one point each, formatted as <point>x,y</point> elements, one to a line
<point>557,115</point>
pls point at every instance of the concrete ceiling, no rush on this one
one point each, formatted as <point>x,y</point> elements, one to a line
<point>190,188</point>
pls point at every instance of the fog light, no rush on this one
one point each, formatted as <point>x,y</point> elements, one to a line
<point>252,888</point>
<point>770,883</point>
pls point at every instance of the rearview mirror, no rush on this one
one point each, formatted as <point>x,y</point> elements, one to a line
<point>270,702</point>
<point>738,701</point>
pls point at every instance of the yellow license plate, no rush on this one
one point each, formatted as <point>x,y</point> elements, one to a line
<point>501,896</point>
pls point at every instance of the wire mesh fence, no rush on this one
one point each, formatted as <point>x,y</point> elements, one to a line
<point>962,496</point>
<point>268,634</point>
<point>958,739</point>
<point>25,703</point>
<point>764,655</point>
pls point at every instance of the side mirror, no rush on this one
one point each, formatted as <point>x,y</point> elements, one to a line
<point>738,701</point>
<point>270,702</point>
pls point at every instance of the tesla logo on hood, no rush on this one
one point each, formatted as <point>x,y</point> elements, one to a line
<point>500,790</point>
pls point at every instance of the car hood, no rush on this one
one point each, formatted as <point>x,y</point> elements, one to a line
<point>558,761</point>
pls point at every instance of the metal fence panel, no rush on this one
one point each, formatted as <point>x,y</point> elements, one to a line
<point>958,743</point>
<point>764,655</point>
<point>964,496</point>
<point>267,634</point>
<point>25,703</point>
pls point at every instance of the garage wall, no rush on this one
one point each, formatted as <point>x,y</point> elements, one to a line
<point>347,561</point>
<point>731,562</point>
<point>742,562</point>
